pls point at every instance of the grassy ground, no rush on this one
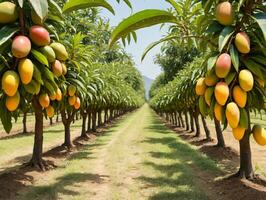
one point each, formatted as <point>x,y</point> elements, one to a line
<point>139,158</point>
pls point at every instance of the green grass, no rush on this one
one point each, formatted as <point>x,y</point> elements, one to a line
<point>139,158</point>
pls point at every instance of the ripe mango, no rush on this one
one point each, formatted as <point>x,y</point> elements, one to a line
<point>246,80</point>
<point>72,100</point>
<point>223,65</point>
<point>25,69</point>
<point>58,95</point>
<point>232,114</point>
<point>21,46</point>
<point>64,68</point>
<point>39,36</point>
<point>57,68</point>
<point>221,93</point>
<point>208,95</point>
<point>12,103</point>
<point>225,13</point>
<point>77,103</point>
<point>200,86</point>
<point>240,96</point>
<point>242,42</point>
<point>44,100</point>
<point>50,111</point>
<point>211,79</point>
<point>49,53</point>
<point>259,134</point>
<point>218,111</point>
<point>8,12</point>
<point>10,82</point>
<point>238,132</point>
<point>60,51</point>
<point>71,90</point>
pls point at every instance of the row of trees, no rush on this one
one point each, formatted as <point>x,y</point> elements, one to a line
<point>55,60</point>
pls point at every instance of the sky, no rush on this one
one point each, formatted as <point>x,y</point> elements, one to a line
<point>145,36</point>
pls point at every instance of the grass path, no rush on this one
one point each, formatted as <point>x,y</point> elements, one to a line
<point>139,158</point>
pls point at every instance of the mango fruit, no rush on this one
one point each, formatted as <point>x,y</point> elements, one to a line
<point>10,82</point>
<point>208,95</point>
<point>71,90</point>
<point>8,12</point>
<point>60,51</point>
<point>64,68</point>
<point>223,65</point>
<point>21,46</point>
<point>44,100</point>
<point>57,68</point>
<point>72,100</point>
<point>232,114</point>
<point>259,134</point>
<point>238,132</point>
<point>12,103</point>
<point>246,80</point>
<point>218,111</point>
<point>211,79</point>
<point>25,69</point>
<point>240,96</point>
<point>221,93</point>
<point>77,103</point>
<point>225,13</point>
<point>50,111</point>
<point>200,86</point>
<point>33,87</point>
<point>58,95</point>
<point>52,96</point>
<point>49,53</point>
<point>39,35</point>
<point>242,42</point>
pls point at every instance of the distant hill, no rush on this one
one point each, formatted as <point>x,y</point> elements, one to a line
<point>147,84</point>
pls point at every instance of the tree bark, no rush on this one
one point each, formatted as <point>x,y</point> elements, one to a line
<point>67,118</point>
<point>94,121</point>
<point>83,130</point>
<point>181,119</point>
<point>219,134</point>
<point>99,118</point>
<point>191,121</point>
<point>196,117</point>
<point>206,129</point>
<point>187,123</point>
<point>89,121</point>
<point>24,121</point>
<point>51,121</point>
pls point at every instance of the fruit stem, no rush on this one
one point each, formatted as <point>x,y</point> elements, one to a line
<point>21,21</point>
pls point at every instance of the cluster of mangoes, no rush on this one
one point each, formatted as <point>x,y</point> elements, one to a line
<point>230,100</point>
<point>73,99</point>
<point>24,73</point>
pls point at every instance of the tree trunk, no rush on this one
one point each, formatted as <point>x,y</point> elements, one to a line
<point>68,142</point>
<point>24,121</point>
<point>51,121</point>
<point>99,118</point>
<point>191,121</point>
<point>94,121</point>
<point>83,130</point>
<point>181,120</point>
<point>89,121</point>
<point>106,116</point>
<point>206,129</point>
<point>187,123</point>
<point>36,160</point>
<point>196,117</point>
<point>219,134</point>
<point>57,117</point>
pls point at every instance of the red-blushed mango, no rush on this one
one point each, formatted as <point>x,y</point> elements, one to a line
<point>232,114</point>
<point>246,80</point>
<point>10,82</point>
<point>21,46</point>
<point>12,103</point>
<point>218,111</point>
<point>225,13</point>
<point>60,51</point>
<point>211,79</point>
<point>8,12</point>
<point>242,42</point>
<point>25,69</point>
<point>58,95</point>
<point>240,96</point>
<point>36,19</point>
<point>77,103</point>
<point>57,68</point>
<point>208,95</point>
<point>64,68</point>
<point>72,100</point>
<point>49,53</point>
<point>71,90</point>
<point>259,134</point>
<point>50,111</point>
<point>223,65</point>
<point>44,100</point>
<point>200,86</point>
<point>39,36</point>
<point>221,93</point>
<point>238,132</point>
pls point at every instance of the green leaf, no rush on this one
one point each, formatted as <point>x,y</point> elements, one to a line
<point>211,62</point>
<point>203,106</point>
<point>40,57</point>
<point>40,7</point>
<point>240,3</point>
<point>260,18</point>
<point>224,36</point>
<point>230,77</point>
<point>253,67</point>
<point>140,20</point>
<point>243,118</point>
<point>176,6</point>
<point>128,3</point>
<point>5,116</point>
<point>234,57</point>
<point>7,32</point>
<point>72,5</point>
<point>37,75</point>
